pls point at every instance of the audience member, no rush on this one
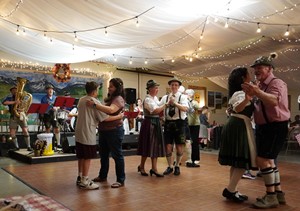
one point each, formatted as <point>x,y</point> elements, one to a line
<point>204,125</point>
<point>194,127</point>
<point>140,117</point>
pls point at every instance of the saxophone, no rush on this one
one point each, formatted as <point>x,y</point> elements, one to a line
<point>25,98</point>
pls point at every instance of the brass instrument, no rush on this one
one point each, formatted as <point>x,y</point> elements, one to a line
<point>25,98</point>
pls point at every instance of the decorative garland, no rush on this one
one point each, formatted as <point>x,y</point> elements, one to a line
<point>61,72</point>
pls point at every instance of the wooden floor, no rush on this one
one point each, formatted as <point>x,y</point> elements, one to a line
<point>195,189</point>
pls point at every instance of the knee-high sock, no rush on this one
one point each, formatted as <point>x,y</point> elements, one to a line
<point>277,179</point>
<point>15,141</point>
<point>269,176</point>
<point>27,140</point>
<point>178,158</point>
<point>57,136</point>
<point>188,149</point>
<point>169,159</point>
<point>237,174</point>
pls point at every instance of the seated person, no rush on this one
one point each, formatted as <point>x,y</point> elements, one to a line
<point>296,122</point>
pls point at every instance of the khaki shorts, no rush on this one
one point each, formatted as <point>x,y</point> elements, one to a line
<point>14,122</point>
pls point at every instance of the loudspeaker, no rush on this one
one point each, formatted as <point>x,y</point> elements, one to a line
<point>68,144</point>
<point>130,95</point>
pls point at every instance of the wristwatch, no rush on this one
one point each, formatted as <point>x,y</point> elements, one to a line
<point>94,105</point>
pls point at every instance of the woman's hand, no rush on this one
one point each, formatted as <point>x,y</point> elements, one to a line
<point>90,102</point>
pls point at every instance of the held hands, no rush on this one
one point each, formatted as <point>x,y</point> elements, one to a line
<point>171,100</point>
<point>250,89</point>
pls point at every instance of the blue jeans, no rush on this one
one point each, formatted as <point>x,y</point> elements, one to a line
<point>110,141</point>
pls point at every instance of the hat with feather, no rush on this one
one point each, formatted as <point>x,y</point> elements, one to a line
<point>265,60</point>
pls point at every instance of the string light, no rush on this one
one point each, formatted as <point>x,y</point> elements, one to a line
<point>106,31</point>
<point>226,24</point>
<point>80,31</point>
<point>75,37</point>
<point>17,32</point>
<point>258,28</point>
<point>24,32</point>
<point>13,10</point>
<point>137,24</point>
<point>45,35</point>
<point>130,60</point>
<point>146,61</point>
<point>287,33</point>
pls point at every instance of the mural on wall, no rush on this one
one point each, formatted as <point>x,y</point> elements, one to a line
<point>38,81</point>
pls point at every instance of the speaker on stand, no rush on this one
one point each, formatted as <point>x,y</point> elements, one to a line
<point>130,95</point>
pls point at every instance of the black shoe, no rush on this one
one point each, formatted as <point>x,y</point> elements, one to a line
<point>177,171</point>
<point>192,165</point>
<point>168,171</point>
<point>78,180</point>
<point>142,171</point>
<point>233,196</point>
<point>155,173</point>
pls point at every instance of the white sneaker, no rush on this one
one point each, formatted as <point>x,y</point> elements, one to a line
<point>197,161</point>
<point>88,184</point>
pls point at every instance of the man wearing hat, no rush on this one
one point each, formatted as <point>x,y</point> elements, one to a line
<point>174,128</point>
<point>49,117</point>
<point>15,121</point>
<point>271,116</point>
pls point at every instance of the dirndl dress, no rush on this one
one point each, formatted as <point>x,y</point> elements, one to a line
<point>236,148</point>
<point>151,142</point>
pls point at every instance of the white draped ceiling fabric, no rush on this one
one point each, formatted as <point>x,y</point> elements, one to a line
<point>191,39</point>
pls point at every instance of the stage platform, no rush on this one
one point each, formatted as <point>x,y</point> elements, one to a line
<point>65,154</point>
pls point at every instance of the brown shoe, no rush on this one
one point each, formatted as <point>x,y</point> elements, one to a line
<point>281,198</point>
<point>268,201</point>
<point>98,179</point>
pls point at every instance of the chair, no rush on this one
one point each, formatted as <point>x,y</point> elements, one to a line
<point>4,120</point>
<point>292,140</point>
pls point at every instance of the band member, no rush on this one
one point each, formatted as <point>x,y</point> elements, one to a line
<point>49,117</point>
<point>15,121</point>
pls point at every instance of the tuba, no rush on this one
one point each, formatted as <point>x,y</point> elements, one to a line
<point>25,98</point>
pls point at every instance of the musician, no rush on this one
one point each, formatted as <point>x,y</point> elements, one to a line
<point>72,115</point>
<point>15,121</point>
<point>49,118</point>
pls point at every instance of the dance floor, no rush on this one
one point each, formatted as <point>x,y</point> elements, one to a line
<point>195,189</point>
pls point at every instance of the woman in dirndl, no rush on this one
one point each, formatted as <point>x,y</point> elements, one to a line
<point>238,148</point>
<point>151,143</point>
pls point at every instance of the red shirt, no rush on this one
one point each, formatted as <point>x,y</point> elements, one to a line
<point>277,113</point>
